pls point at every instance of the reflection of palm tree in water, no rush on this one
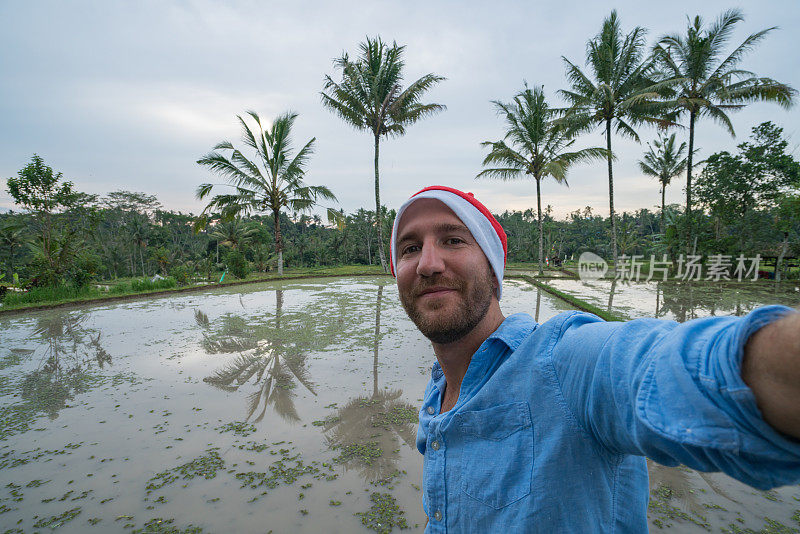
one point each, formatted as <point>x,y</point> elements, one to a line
<point>611,294</point>
<point>366,430</point>
<point>267,358</point>
<point>63,371</point>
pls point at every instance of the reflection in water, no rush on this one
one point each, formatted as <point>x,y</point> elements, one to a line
<point>64,370</point>
<point>611,294</point>
<point>266,358</point>
<point>689,300</point>
<point>366,430</point>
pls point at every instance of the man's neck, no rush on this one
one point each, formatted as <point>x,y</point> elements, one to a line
<point>455,357</point>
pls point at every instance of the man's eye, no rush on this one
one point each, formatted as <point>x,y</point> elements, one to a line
<point>454,241</point>
<point>409,249</point>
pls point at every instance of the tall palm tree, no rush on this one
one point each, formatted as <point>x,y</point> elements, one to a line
<point>277,184</point>
<point>663,161</point>
<point>618,93</point>
<point>370,97</point>
<point>537,147</point>
<point>707,83</point>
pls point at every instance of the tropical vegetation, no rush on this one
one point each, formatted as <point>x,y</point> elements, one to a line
<point>279,185</point>
<point>535,145</point>
<point>707,82</point>
<point>64,244</point>
<point>370,96</point>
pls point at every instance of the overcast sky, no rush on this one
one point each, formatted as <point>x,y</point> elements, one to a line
<point>128,95</point>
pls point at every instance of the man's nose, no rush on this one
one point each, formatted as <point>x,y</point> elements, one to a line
<point>430,260</point>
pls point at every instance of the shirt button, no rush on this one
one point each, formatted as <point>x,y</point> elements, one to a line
<point>437,515</point>
<point>430,410</point>
<point>435,446</point>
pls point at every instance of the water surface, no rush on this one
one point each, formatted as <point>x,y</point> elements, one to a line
<point>283,406</point>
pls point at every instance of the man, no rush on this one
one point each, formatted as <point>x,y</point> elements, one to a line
<point>544,428</point>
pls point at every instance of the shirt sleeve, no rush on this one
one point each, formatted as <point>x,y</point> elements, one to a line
<point>673,392</point>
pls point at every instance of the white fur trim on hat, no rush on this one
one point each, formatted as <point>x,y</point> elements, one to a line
<point>478,225</point>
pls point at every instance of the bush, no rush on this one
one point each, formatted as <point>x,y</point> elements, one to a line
<point>143,284</point>
<point>181,274</point>
<point>85,270</point>
<point>46,294</point>
<point>237,264</point>
<point>122,287</point>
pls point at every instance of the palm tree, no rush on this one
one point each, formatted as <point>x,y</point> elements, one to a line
<point>707,85</point>
<point>620,92</point>
<point>370,97</point>
<point>537,145</point>
<point>11,237</point>
<point>233,234</point>
<point>664,162</point>
<point>279,185</point>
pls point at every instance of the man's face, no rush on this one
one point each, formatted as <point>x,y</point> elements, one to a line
<point>445,282</point>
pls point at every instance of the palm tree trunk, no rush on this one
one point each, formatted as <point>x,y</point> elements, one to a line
<point>541,234</point>
<point>276,214</point>
<point>378,215</point>
<point>779,263</point>
<point>141,259</point>
<point>663,190</point>
<point>689,231</point>
<point>611,194</point>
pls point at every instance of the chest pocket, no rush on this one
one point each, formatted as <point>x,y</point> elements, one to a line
<point>497,459</point>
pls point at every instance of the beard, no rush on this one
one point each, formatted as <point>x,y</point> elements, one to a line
<point>446,326</point>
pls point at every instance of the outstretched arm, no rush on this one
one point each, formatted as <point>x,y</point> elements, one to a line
<point>771,369</point>
<point>677,393</point>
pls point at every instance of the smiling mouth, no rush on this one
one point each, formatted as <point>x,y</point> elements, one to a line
<point>436,292</point>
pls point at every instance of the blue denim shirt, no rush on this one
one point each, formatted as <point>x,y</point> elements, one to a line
<point>553,422</point>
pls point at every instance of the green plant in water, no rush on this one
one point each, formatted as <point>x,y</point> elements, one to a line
<point>384,515</point>
<point>205,466</point>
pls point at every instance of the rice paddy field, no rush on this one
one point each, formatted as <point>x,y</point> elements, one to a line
<point>277,407</point>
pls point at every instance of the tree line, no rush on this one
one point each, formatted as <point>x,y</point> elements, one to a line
<point>749,199</point>
<point>258,216</point>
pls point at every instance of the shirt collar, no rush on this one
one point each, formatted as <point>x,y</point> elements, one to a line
<point>512,332</point>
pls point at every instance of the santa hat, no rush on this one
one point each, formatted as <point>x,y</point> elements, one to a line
<point>481,223</point>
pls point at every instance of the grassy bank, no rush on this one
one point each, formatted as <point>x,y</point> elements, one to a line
<point>128,289</point>
<point>578,303</point>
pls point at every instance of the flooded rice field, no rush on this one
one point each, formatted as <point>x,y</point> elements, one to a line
<point>275,407</point>
<point>680,301</point>
<point>284,407</point>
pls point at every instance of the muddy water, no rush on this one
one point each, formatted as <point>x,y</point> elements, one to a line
<point>284,407</point>
<point>682,498</point>
<point>680,301</point>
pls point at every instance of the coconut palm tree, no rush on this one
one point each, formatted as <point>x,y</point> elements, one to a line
<point>708,83</point>
<point>618,93</point>
<point>535,145</point>
<point>663,161</point>
<point>276,184</point>
<point>234,234</point>
<point>370,97</point>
